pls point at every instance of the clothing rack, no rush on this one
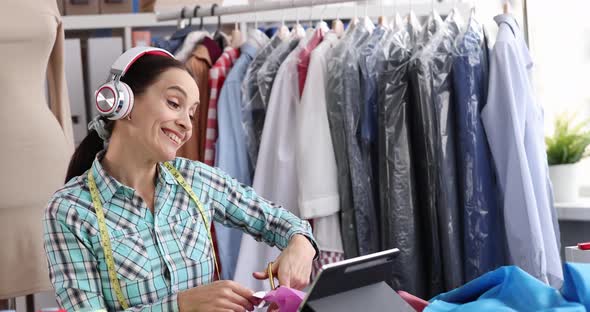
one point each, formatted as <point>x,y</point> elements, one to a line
<point>215,10</point>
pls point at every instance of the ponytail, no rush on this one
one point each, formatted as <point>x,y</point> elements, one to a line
<point>84,155</point>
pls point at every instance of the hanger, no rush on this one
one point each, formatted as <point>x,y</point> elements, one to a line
<point>236,37</point>
<point>195,12</point>
<point>283,32</point>
<point>310,29</point>
<point>181,20</point>
<point>506,7</point>
<point>297,31</point>
<point>355,19</point>
<point>337,25</point>
<point>381,20</point>
<point>367,21</point>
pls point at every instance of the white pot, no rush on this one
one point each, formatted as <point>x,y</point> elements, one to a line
<point>565,182</point>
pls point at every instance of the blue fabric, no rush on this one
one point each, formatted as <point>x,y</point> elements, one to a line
<point>232,156</point>
<point>506,289</point>
<point>576,286</point>
<point>175,41</point>
<point>483,231</point>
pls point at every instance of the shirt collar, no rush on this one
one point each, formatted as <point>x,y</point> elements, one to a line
<point>248,49</point>
<point>108,186</point>
<point>509,20</point>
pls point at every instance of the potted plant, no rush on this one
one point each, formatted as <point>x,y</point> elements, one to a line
<point>565,149</point>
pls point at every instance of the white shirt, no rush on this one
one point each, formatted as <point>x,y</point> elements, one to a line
<point>275,178</point>
<point>316,163</point>
<point>514,127</point>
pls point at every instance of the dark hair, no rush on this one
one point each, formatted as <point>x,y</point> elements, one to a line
<point>140,76</point>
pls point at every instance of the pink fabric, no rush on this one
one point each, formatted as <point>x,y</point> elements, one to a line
<point>288,299</point>
<point>217,75</point>
<point>305,55</point>
<point>418,304</point>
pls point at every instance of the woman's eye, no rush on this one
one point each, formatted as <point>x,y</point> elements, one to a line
<point>192,117</point>
<point>173,104</point>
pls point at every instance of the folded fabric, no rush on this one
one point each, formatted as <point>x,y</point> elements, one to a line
<point>505,289</point>
<point>288,299</point>
<point>576,284</point>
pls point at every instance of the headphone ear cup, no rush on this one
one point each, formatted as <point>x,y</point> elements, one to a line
<point>106,97</point>
<point>126,100</point>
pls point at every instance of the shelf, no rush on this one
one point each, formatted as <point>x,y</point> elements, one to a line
<point>576,211</point>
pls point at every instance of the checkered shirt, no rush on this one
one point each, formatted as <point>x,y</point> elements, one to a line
<point>156,255</point>
<point>217,75</point>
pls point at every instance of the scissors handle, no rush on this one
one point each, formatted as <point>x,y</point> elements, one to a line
<point>270,276</point>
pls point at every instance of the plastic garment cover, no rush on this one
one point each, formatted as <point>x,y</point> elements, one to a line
<point>508,288</point>
<point>335,105</point>
<point>482,222</point>
<point>267,73</point>
<point>398,215</point>
<point>433,25</point>
<point>362,193</point>
<point>253,109</point>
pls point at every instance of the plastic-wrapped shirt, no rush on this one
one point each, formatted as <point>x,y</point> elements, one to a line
<point>398,215</point>
<point>483,232</point>
<point>253,108</point>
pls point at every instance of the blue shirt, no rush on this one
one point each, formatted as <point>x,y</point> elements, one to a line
<point>515,131</point>
<point>232,156</point>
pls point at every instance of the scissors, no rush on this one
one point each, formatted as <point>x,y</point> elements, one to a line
<point>271,277</point>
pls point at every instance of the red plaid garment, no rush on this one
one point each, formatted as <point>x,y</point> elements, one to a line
<point>217,75</point>
<point>326,257</point>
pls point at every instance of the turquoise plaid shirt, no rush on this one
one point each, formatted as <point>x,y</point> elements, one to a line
<point>158,255</point>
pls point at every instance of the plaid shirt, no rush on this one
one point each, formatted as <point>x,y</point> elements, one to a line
<point>158,255</point>
<point>217,75</point>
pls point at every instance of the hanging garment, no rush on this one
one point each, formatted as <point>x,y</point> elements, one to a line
<point>276,175</point>
<point>36,135</point>
<point>198,66</point>
<point>437,55</point>
<point>433,25</point>
<point>316,164</point>
<point>232,155</point>
<point>266,76</point>
<point>483,242</point>
<point>175,41</point>
<point>336,117</point>
<point>217,75</point>
<point>508,288</point>
<point>400,219</point>
<point>252,104</point>
<point>513,123</point>
<point>188,45</point>
<point>424,150</point>
<point>304,56</point>
<point>372,56</point>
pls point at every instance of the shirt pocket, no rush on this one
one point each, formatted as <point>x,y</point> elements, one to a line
<point>132,262</point>
<point>189,230</point>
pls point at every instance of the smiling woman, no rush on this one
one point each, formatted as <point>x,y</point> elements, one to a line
<point>131,227</point>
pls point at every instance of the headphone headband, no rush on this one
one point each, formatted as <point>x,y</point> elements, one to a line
<point>125,61</point>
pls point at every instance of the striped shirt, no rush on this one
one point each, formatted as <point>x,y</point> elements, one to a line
<point>156,255</point>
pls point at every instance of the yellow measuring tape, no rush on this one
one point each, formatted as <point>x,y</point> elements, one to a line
<point>105,240</point>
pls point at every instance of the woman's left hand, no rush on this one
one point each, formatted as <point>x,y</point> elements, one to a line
<point>293,266</point>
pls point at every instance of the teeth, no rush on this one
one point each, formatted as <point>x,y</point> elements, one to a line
<point>173,137</point>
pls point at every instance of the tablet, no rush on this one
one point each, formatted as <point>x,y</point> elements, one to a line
<point>355,283</point>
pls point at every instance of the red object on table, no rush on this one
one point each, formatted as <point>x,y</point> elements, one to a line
<point>584,246</point>
<point>417,303</point>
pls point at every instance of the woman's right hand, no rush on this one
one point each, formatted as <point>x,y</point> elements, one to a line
<point>217,296</point>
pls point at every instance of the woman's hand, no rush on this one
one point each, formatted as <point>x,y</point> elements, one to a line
<point>293,266</point>
<point>217,296</point>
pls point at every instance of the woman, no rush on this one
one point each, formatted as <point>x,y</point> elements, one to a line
<point>156,208</point>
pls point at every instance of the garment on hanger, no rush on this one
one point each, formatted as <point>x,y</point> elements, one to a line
<point>424,150</point>
<point>400,218</point>
<point>266,76</point>
<point>232,155</point>
<point>483,242</point>
<point>336,121</point>
<point>318,197</point>
<point>198,66</point>
<point>513,123</point>
<point>304,56</point>
<point>188,45</point>
<point>252,100</point>
<point>217,75</point>
<point>275,177</point>
<point>175,41</point>
<point>440,61</point>
<point>433,25</point>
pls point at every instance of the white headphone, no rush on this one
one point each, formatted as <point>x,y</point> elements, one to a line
<point>114,99</point>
